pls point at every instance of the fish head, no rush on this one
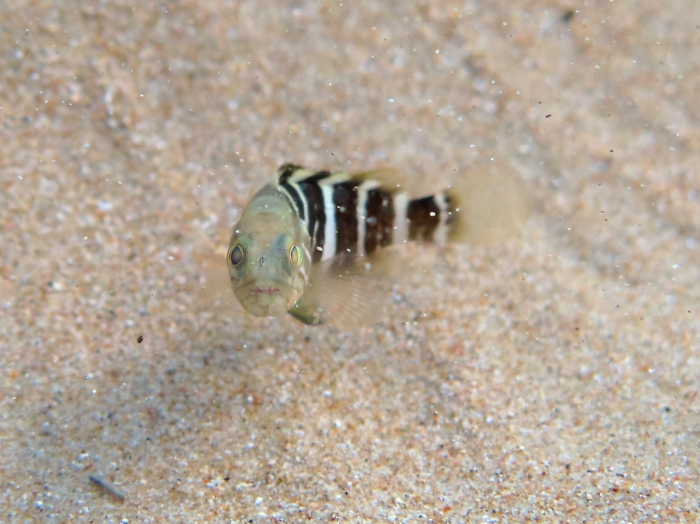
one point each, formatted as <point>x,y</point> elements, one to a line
<point>268,262</point>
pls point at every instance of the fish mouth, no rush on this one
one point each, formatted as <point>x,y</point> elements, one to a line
<point>268,298</point>
<point>265,290</point>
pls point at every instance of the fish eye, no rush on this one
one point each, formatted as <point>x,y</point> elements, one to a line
<point>295,254</point>
<point>236,255</point>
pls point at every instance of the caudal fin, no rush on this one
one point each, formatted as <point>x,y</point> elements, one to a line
<point>489,204</point>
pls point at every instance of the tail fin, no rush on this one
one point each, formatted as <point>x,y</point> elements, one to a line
<point>490,204</point>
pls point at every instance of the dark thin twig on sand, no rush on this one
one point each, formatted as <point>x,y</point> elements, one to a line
<point>107,487</point>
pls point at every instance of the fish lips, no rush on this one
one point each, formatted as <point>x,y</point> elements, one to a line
<point>265,298</point>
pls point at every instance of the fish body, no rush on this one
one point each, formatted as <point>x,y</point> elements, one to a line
<point>299,238</point>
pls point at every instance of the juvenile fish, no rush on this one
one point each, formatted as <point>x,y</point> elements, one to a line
<point>296,246</point>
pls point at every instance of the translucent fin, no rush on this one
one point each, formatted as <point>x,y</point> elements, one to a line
<point>341,294</point>
<point>494,204</point>
<point>391,180</point>
<point>214,290</point>
<point>399,264</point>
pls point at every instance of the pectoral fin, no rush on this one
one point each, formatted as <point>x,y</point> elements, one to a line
<point>342,295</point>
<point>214,288</point>
<point>307,310</point>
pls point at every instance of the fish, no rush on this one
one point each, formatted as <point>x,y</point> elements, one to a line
<point>307,242</point>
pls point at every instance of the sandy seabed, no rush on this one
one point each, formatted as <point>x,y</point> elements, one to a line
<point>552,377</point>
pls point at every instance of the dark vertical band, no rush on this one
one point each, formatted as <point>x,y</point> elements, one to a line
<point>316,221</point>
<point>379,220</point>
<point>296,197</point>
<point>345,201</point>
<point>423,215</point>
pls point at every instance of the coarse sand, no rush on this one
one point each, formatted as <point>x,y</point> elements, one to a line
<point>552,377</point>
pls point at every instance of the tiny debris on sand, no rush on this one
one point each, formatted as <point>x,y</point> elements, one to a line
<point>106,486</point>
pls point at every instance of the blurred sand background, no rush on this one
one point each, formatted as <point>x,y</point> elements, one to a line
<point>552,378</point>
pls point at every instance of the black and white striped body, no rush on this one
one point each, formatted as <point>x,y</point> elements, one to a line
<point>353,214</point>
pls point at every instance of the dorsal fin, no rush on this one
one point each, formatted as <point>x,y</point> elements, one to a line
<point>391,180</point>
<point>387,178</point>
<point>286,171</point>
